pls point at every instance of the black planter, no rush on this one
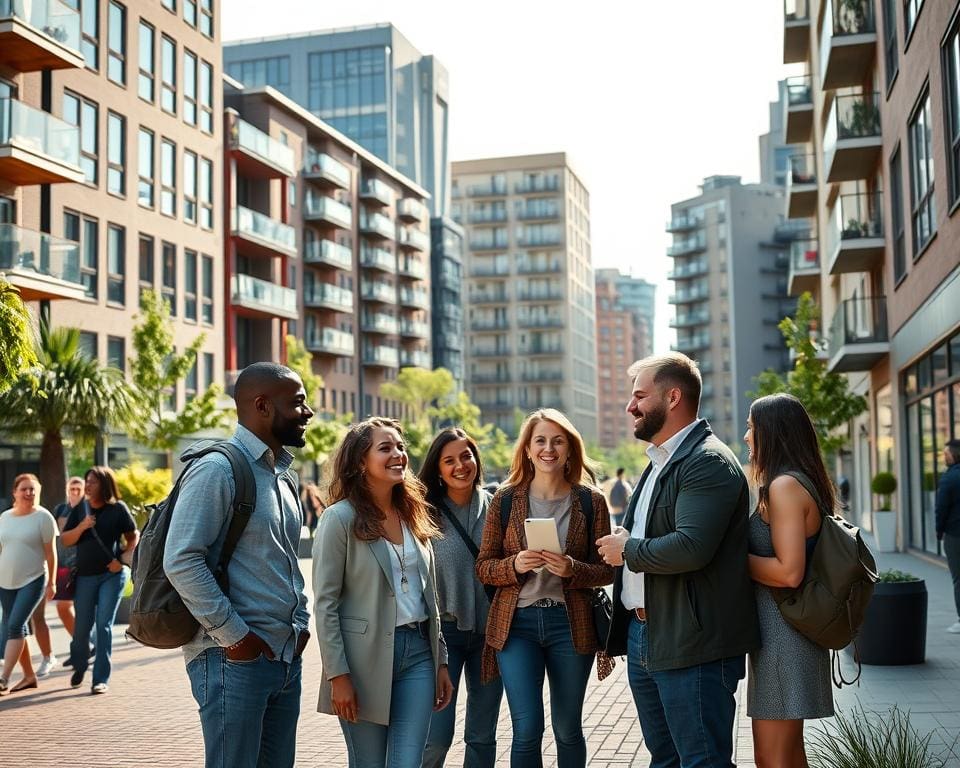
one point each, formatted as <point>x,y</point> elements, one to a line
<point>894,631</point>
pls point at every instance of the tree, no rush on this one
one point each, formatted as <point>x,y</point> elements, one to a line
<point>17,348</point>
<point>155,370</point>
<point>826,396</point>
<point>419,389</point>
<point>140,486</point>
<point>67,395</point>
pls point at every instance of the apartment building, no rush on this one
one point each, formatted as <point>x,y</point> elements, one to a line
<point>110,159</point>
<point>530,306</point>
<point>327,242</point>
<point>729,272</point>
<point>879,110</point>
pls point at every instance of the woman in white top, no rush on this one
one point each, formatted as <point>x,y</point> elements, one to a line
<point>28,566</point>
<point>378,624</point>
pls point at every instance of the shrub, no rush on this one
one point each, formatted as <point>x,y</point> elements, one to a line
<point>893,576</point>
<point>884,484</point>
<point>140,486</point>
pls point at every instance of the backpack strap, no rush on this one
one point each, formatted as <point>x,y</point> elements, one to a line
<point>586,506</point>
<point>468,542</point>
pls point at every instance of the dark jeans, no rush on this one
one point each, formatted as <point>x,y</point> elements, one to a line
<point>951,548</point>
<point>248,709</point>
<point>686,715</point>
<point>18,606</point>
<point>465,650</point>
<point>95,601</point>
<point>540,641</point>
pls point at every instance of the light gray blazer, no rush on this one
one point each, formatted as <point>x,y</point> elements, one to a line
<point>356,611</point>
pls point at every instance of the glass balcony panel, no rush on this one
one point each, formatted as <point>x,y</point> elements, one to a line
<point>856,233</point>
<point>328,296</point>
<point>38,132</point>
<point>52,18</point>
<point>379,322</point>
<point>250,223</point>
<point>388,357</point>
<point>697,242</point>
<point>375,189</point>
<point>858,334</point>
<point>320,166</point>
<point>378,258</point>
<point>252,139</point>
<point>412,268</point>
<point>415,297</point>
<point>799,91</point>
<point>327,209</point>
<point>374,290</point>
<point>414,238</point>
<point>328,252</point>
<point>416,328</point>
<point>37,253</point>
<point>331,340</point>
<point>249,290</point>
<point>410,208</point>
<point>416,358</point>
<point>377,224</point>
<point>847,42</point>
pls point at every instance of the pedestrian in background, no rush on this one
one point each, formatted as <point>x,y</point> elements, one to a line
<point>452,473</point>
<point>28,567</point>
<point>374,577</point>
<point>541,621</point>
<point>312,505</point>
<point>948,520</point>
<point>789,678</point>
<point>105,535</point>
<point>619,496</point>
<point>66,556</point>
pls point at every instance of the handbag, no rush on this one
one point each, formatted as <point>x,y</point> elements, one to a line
<point>469,543</point>
<point>66,582</point>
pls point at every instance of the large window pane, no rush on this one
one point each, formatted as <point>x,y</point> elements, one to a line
<point>117,44</point>
<point>116,264</point>
<point>168,74</point>
<point>145,162</point>
<point>168,178</point>
<point>145,83</point>
<point>189,88</point>
<point>921,176</point>
<point>116,154</point>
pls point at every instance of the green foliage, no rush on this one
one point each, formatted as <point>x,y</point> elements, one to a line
<point>884,484</point>
<point>629,454</point>
<point>893,576</point>
<point>155,370</point>
<point>17,344</point>
<point>323,435</point>
<point>497,453</point>
<point>300,361</point>
<point>140,486</point>
<point>825,395</point>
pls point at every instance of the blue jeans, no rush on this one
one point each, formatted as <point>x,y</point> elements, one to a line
<point>400,744</point>
<point>18,606</point>
<point>465,650</point>
<point>540,641</point>
<point>686,715</point>
<point>95,602</point>
<point>248,709</point>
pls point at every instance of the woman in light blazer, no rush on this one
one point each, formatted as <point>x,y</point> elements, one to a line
<point>378,624</point>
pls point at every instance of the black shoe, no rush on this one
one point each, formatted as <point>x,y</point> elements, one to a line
<point>93,652</point>
<point>76,679</point>
<point>68,664</point>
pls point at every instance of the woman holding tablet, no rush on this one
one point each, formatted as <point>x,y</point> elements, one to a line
<point>541,620</point>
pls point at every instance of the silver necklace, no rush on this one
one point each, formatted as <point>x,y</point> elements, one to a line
<point>401,558</point>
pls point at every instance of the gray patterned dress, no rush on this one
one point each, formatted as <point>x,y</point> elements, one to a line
<point>789,676</point>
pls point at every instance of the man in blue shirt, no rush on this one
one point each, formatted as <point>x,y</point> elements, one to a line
<point>948,520</point>
<point>244,663</point>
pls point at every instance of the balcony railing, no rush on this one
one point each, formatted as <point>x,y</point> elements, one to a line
<point>411,209</point>
<point>415,329</point>
<point>857,238</point>
<point>490,189</point>
<point>537,267</point>
<point>490,324</point>
<point>683,222</point>
<point>374,290</point>
<point>799,113</point>
<point>414,297</point>
<point>858,334</point>
<point>693,343</point>
<point>321,208</point>
<point>378,258</point>
<point>535,212</point>
<point>796,31</point>
<point>541,349</point>
<point>329,253</point>
<point>491,377</point>
<point>415,358</point>
<point>540,240</point>
<point>491,352</point>
<point>801,186</point>
<point>319,166</point>
<point>694,294</point>
<point>413,238</point>
<point>533,184</point>
<point>539,321</point>
<point>379,322</point>
<point>690,319</point>
<point>800,91</point>
<point>490,270</point>
<point>489,243</point>
<point>540,376</point>
<point>35,138</point>
<point>320,295</point>
<point>488,216</point>
<point>380,355</point>
<point>376,190</point>
<point>262,295</point>
<point>331,341</point>
<point>851,140</point>
<point>377,224</point>
<point>412,268</point>
<point>53,19</point>
<point>50,262</point>
<point>490,296</point>
<point>847,42</point>
<point>254,225</point>
<point>804,271</point>
<point>693,269</point>
<point>697,242</point>
<point>270,151</point>
<point>540,294</point>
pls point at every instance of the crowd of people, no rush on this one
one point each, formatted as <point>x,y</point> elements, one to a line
<point>423,580</point>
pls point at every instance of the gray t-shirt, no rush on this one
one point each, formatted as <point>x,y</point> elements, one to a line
<point>22,538</point>
<point>545,584</point>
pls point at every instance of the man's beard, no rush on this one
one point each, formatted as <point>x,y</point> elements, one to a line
<point>652,423</point>
<point>288,433</point>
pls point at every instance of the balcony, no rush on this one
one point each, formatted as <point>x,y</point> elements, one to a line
<point>415,358</point>
<point>799,117</point>
<point>503,403</point>
<point>323,169</point>
<point>848,42</point>
<point>488,216</point>
<point>39,35</point>
<point>694,343</point>
<point>413,239</point>
<point>540,240</point>
<point>491,377</point>
<point>331,341</point>
<point>263,299</point>
<point>262,235</point>
<point>856,232</point>
<point>257,155</point>
<point>378,291</point>
<point>801,186</point>
<point>540,376</point>
<point>326,210</point>
<point>851,140</point>
<point>36,147</point>
<point>796,31</point>
<point>690,319</point>
<point>376,191</point>
<point>478,243</point>
<point>377,225</point>
<point>804,271</point>
<point>379,322</point>
<point>411,209</point>
<point>539,212</point>
<point>413,269</point>
<point>489,324</point>
<point>490,189</point>
<point>687,271</point>
<point>490,296</point>
<point>538,267</point>
<point>537,184</point>
<point>490,270</point>
<point>539,321</point>
<point>858,335</point>
<point>378,259</point>
<point>328,253</point>
<point>684,221</point>
<point>554,293</point>
<point>691,244</point>
<point>690,295</point>
<point>416,298</point>
<point>541,350</point>
<point>320,295</point>
<point>41,266</point>
<point>381,356</point>
<point>491,352</point>
<point>414,329</point>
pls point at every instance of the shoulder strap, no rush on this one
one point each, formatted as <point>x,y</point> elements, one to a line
<point>244,499</point>
<point>107,551</point>
<point>470,543</point>
<point>506,502</point>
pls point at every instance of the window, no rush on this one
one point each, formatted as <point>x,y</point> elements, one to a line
<point>206,193</point>
<point>116,353</point>
<point>911,9</point>
<point>206,284</point>
<point>190,187</point>
<point>207,369</point>
<point>896,218</point>
<point>86,232</point>
<point>190,285</point>
<point>189,88</point>
<point>170,5</point>
<point>88,344</point>
<point>190,12</point>
<point>923,210</point>
<point>273,71</point>
<point>168,178</point>
<point>190,381</point>
<point>117,43</point>
<point>168,74</point>
<point>951,67</point>
<point>145,163</point>
<point>82,113</point>
<point>169,268</point>
<point>206,97</point>
<point>116,154</point>
<point>206,17</point>
<point>146,262</point>
<point>116,264</point>
<point>145,86</point>
<point>891,57</point>
<point>89,30</point>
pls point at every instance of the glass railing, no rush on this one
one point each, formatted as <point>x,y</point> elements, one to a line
<point>326,294</point>
<point>413,268</point>
<point>51,17</point>
<point>491,377</point>
<point>843,18</point>
<point>804,255</point>
<point>487,190</point>
<point>539,240</point>
<point>538,184</point>
<point>252,139</point>
<point>698,242</point>
<point>414,238</point>
<point>801,169</point>
<point>379,224</point>
<point>799,91</point>
<point>415,297</point>
<point>796,10</point>
<point>415,358</point>
<point>541,349</point>
<point>691,295</point>
<point>377,190</point>
<point>262,227</point>
<point>490,296</point>
<point>693,269</point>
<point>537,267</point>
<point>491,352</point>
<point>39,132</point>
<point>331,340</point>
<point>381,355</point>
<point>378,258</point>
<point>539,294</point>
<point>539,321</point>
<point>410,208</point>
<point>379,322</point>
<point>23,250</point>
<point>492,270</point>
<point>691,318</point>
<point>321,164</point>
<point>415,328</point>
<point>328,252</point>
<point>328,209</point>
<point>541,375</point>
<point>685,220</point>
<point>489,243</point>
<point>691,343</point>
<point>378,291</point>
<point>859,321</point>
<point>488,216</point>
<point>854,116</point>
<point>253,290</point>
<point>858,216</point>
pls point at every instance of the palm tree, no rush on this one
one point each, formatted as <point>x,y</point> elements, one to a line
<point>67,394</point>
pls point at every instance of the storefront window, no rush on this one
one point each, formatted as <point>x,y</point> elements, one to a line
<point>884,431</point>
<point>916,502</point>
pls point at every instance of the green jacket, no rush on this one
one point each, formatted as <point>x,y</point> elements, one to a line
<point>698,594</point>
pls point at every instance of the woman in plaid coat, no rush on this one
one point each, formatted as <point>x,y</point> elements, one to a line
<point>541,620</point>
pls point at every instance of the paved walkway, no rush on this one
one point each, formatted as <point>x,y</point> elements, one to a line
<point>149,717</point>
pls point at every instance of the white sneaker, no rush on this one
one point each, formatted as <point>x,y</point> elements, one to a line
<point>48,663</point>
<point>99,688</point>
<point>954,628</point>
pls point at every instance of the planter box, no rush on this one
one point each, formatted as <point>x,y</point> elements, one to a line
<point>885,530</point>
<point>894,631</point>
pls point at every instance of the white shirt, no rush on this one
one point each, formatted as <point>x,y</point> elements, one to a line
<point>632,594</point>
<point>411,605</point>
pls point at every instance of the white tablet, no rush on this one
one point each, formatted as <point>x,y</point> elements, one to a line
<point>542,534</point>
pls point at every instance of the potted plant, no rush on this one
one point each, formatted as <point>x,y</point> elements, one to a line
<point>894,630</point>
<point>884,485</point>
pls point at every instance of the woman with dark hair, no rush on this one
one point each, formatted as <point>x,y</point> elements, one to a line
<point>789,679</point>
<point>374,577</point>
<point>105,535</point>
<point>312,505</point>
<point>541,619</point>
<point>453,475</point>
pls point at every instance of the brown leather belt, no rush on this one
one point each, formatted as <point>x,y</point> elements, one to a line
<point>640,613</point>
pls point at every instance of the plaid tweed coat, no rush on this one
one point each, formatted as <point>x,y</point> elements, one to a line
<point>498,551</point>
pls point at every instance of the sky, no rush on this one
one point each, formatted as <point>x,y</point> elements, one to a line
<point>647,98</point>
